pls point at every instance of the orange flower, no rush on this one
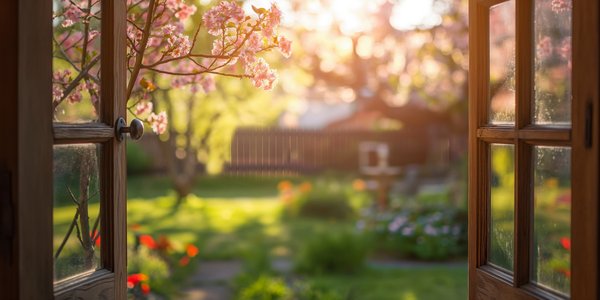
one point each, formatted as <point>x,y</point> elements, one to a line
<point>284,186</point>
<point>147,241</point>
<point>145,288</point>
<point>359,185</point>
<point>566,243</point>
<point>135,227</point>
<point>184,261</point>
<point>305,187</point>
<point>191,250</point>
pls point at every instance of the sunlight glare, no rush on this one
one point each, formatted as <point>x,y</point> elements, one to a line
<point>413,14</point>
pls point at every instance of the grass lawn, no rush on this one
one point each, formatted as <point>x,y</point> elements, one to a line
<point>234,218</point>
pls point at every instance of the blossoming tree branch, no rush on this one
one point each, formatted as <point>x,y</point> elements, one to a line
<point>156,43</point>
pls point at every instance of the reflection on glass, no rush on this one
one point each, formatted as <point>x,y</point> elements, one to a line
<point>502,207</point>
<point>76,209</point>
<point>76,61</point>
<point>552,218</point>
<point>552,38</point>
<point>502,63</point>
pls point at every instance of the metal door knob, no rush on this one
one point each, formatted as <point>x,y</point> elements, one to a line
<point>135,129</point>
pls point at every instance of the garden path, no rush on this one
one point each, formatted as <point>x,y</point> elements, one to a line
<point>212,279</point>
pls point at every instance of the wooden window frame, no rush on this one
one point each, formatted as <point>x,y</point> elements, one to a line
<point>109,280</point>
<point>486,281</point>
<point>26,267</point>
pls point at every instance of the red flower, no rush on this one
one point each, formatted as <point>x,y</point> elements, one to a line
<point>147,241</point>
<point>145,288</point>
<point>134,279</point>
<point>96,235</point>
<point>191,250</point>
<point>184,261</point>
<point>566,243</point>
<point>566,272</point>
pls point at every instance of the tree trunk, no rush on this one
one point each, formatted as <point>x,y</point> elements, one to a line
<point>85,171</point>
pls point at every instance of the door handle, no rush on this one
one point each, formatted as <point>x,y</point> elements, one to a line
<point>135,129</point>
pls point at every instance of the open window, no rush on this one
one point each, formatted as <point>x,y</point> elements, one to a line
<point>533,195</point>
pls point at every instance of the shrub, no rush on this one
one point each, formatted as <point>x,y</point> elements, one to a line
<point>320,204</point>
<point>138,161</point>
<point>266,288</point>
<point>311,291</point>
<point>429,234</point>
<point>145,261</point>
<point>332,253</point>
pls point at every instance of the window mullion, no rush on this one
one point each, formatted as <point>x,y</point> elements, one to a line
<point>524,98</point>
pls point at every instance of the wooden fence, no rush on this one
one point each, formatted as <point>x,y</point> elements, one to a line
<point>305,151</point>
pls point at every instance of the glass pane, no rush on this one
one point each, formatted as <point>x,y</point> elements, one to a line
<point>76,209</point>
<point>552,218</point>
<point>552,37</point>
<point>502,63</point>
<point>76,61</point>
<point>502,210</point>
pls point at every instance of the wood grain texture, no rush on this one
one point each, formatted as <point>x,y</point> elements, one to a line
<point>584,214</point>
<point>8,152</point>
<point>114,180</point>
<point>82,133</point>
<point>34,129</point>
<point>92,285</point>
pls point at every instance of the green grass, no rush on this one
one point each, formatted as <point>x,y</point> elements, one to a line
<point>406,284</point>
<point>236,217</point>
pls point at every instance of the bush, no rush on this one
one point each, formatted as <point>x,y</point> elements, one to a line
<point>266,288</point>
<point>429,234</point>
<point>322,204</point>
<point>138,161</point>
<point>311,291</point>
<point>344,252</point>
<point>146,262</point>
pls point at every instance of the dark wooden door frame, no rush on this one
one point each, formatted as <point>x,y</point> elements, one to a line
<point>26,152</point>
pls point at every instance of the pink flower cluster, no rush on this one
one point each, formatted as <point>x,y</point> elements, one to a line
<point>178,44</point>
<point>158,122</point>
<point>243,37</point>
<point>226,14</point>
<point>182,11</point>
<point>559,6</point>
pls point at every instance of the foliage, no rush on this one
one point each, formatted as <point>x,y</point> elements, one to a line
<point>332,252</point>
<point>266,288</point>
<point>324,199</point>
<point>424,233</point>
<point>138,162</point>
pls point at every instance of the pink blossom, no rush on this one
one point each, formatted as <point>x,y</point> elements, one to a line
<point>158,122</point>
<point>544,47</point>
<point>255,43</point>
<point>217,18</point>
<point>71,15</point>
<point>262,75</point>
<point>185,11</point>
<point>285,46</point>
<point>561,5</point>
<point>272,21</point>
<point>565,48</point>
<point>143,108</point>
<point>208,84</point>
<point>57,93</point>
<point>75,96</point>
